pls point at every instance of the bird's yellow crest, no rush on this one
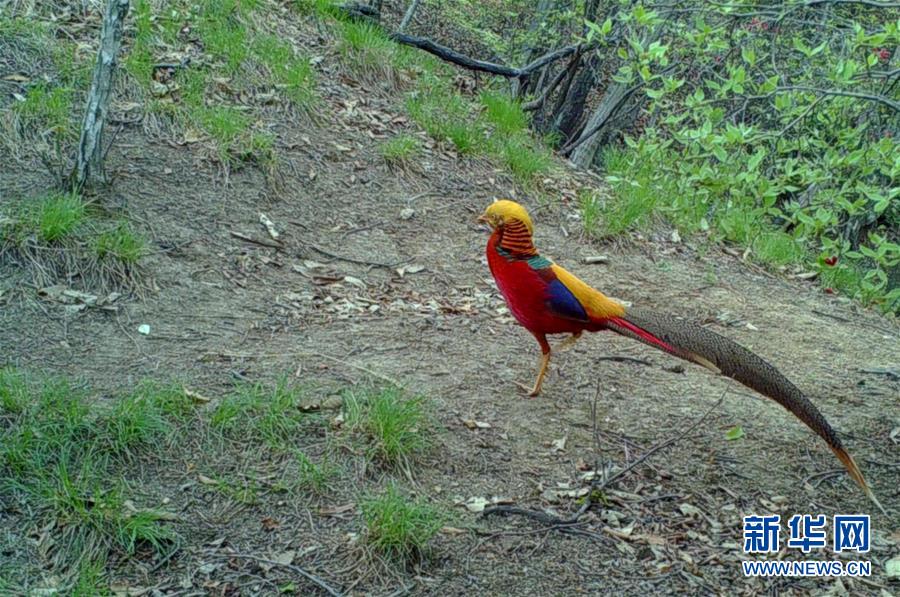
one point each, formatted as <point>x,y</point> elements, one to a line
<point>503,211</point>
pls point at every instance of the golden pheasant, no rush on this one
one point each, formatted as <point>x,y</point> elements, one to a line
<point>547,299</point>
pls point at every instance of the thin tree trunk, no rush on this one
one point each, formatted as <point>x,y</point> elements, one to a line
<point>409,15</point>
<point>89,160</point>
<point>584,149</point>
<point>570,109</point>
<point>566,115</point>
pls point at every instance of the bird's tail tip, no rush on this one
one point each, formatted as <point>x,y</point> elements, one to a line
<point>856,474</point>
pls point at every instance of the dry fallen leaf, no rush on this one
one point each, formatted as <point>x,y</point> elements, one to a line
<point>596,259</point>
<point>336,510</point>
<point>476,504</point>
<point>270,226</point>
<point>194,395</point>
<point>558,445</point>
<point>192,136</point>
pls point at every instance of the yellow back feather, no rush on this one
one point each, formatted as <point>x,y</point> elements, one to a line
<point>597,304</point>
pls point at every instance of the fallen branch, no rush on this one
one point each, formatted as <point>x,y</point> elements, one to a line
<point>562,74</point>
<point>451,55</point>
<point>662,445</point>
<point>307,575</point>
<point>354,260</point>
<point>308,354</point>
<point>256,241</point>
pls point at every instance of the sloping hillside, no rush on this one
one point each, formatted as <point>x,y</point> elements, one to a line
<point>375,276</point>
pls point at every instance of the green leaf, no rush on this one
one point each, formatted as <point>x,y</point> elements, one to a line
<point>735,433</point>
<point>606,27</point>
<point>801,47</point>
<point>748,55</point>
<point>756,158</point>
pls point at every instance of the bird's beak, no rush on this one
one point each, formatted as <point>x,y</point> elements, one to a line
<point>483,219</point>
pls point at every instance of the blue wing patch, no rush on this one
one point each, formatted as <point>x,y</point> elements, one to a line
<point>562,302</point>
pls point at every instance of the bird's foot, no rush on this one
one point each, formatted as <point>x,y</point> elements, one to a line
<point>531,391</point>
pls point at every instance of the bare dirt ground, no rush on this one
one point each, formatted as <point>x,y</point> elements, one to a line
<point>331,308</point>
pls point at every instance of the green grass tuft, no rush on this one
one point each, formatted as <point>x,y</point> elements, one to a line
<point>739,224</point>
<point>397,426</point>
<point>364,38</point>
<point>89,582</point>
<point>294,74</point>
<point>48,108</point>
<point>525,159</point>
<point>60,215</point>
<point>312,476</point>
<point>371,55</point>
<point>591,212</point>
<point>134,421</point>
<point>635,195</point>
<point>319,8</point>
<point>225,124</point>
<point>139,59</point>
<point>56,460</point>
<point>121,243</point>
<point>171,399</point>
<point>778,248</point>
<point>504,113</point>
<point>446,118</point>
<point>227,41</point>
<point>398,526</point>
<point>191,89</point>
<point>269,414</point>
<point>400,150</point>
<point>13,391</point>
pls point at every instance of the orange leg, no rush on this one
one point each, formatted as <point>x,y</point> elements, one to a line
<point>545,363</point>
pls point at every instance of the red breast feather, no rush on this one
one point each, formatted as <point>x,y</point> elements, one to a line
<point>525,292</point>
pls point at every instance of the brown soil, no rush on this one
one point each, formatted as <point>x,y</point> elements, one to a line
<point>224,308</point>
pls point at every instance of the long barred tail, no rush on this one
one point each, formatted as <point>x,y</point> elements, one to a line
<point>721,355</point>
